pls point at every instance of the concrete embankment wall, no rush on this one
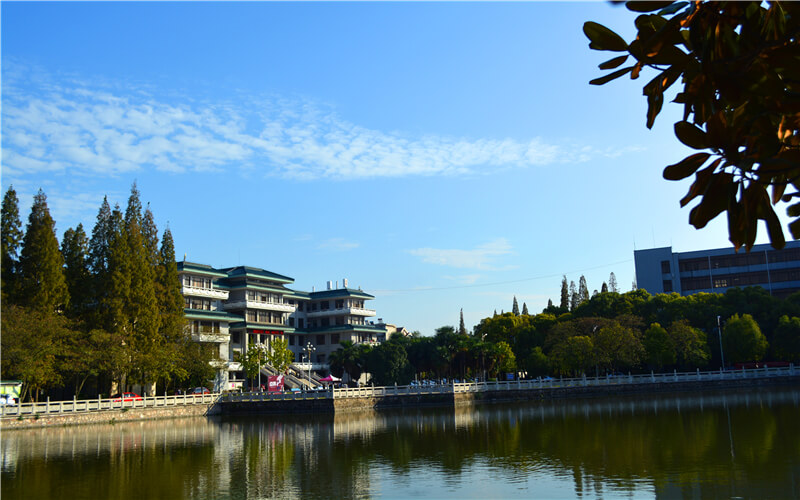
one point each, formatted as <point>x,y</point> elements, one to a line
<point>106,417</point>
<point>308,406</point>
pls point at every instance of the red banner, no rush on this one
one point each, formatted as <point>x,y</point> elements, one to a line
<point>275,383</point>
<point>268,332</point>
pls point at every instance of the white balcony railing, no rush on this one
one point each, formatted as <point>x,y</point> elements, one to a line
<point>213,293</point>
<point>267,306</point>
<point>354,311</point>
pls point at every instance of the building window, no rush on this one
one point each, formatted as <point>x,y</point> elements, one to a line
<point>320,339</point>
<point>291,321</point>
<point>667,286</point>
<point>335,338</point>
<point>339,304</point>
<point>665,267</point>
<point>300,323</point>
<point>252,316</point>
<point>326,322</point>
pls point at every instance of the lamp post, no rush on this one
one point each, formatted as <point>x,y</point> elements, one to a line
<point>309,349</point>
<point>721,354</point>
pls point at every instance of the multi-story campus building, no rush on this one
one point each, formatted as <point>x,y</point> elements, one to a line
<point>660,270</point>
<point>240,306</point>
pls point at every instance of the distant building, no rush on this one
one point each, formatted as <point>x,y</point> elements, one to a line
<point>660,270</point>
<point>238,306</point>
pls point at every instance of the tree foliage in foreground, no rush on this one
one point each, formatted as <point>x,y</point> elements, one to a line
<point>738,64</point>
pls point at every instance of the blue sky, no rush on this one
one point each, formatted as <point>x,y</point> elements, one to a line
<point>438,155</point>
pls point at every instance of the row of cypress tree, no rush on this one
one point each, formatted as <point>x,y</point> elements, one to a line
<point>108,306</point>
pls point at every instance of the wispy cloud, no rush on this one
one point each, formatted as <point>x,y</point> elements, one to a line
<point>57,125</point>
<point>338,245</point>
<point>481,257</point>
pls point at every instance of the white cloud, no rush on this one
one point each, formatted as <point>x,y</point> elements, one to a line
<point>111,130</point>
<point>337,245</point>
<point>480,257</point>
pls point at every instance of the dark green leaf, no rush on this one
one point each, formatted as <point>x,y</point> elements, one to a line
<point>794,228</point>
<point>611,76</point>
<point>690,135</point>
<point>793,210</point>
<point>613,63</point>
<point>685,167</point>
<point>603,38</point>
<point>703,177</point>
<point>715,200</point>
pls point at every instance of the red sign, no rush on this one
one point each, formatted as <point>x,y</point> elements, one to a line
<point>275,383</point>
<point>268,332</point>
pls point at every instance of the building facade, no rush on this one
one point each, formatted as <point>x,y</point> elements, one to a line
<point>237,307</point>
<point>660,270</point>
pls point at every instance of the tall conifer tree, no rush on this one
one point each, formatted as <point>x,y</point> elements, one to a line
<point>525,309</point>
<point>573,296</point>
<point>74,250</point>
<point>42,283</point>
<point>462,329</point>
<point>515,307</point>
<point>141,311</point>
<point>604,288</point>
<point>583,290</point>
<point>170,300</point>
<point>99,261</point>
<point>612,283</point>
<point>564,294</point>
<point>11,238</point>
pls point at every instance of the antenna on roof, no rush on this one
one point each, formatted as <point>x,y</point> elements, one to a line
<point>184,257</point>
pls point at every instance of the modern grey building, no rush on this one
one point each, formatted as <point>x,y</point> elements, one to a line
<point>660,270</point>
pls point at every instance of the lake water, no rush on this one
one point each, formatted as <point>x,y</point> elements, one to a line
<point>704,445</point>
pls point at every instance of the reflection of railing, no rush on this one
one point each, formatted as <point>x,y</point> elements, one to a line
<point>93,405</point>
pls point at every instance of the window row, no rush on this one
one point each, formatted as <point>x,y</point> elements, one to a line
<point>204,327</point>
<point>196,282</point>
<point>195,303</point>
<point>264,317</point>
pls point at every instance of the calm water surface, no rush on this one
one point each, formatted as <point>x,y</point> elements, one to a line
<point>710,445</point>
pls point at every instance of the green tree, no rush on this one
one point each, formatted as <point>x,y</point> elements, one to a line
<point>11,237</point>
<point>32,342</point>
<point>251,360</point>
<point>99,261</point>
<point>462,329</point>
<point>280,357</point>
<point>515,307</point>
<point>388,364</point>
<point>524,309</point>
<point>564,305</point>
<point>575,355</point>
<point>786,339</point>
<point>168,290</point>
<point>739,64</point>
<point>583,290</point>
<point>42,283</point>
<point>74,251</point>
<point>503,358</point>
<point>536,363</point>
<point>691,345</point>
<point>659,347</point>
<point>604,288</point>
<point>351,357</point>
<point>742,340</point>
<point>574,298</point>
<point>612,283</point>
<point>617,347</point>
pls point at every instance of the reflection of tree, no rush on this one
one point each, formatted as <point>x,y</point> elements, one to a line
<point>679,445</point>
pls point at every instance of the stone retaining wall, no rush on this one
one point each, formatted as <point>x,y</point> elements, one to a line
<point>105,417</point>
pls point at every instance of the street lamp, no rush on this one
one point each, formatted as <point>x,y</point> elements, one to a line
<point>309,349</point>
<point>721,354</point>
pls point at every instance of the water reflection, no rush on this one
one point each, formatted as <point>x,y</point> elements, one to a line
<point>698,446</point>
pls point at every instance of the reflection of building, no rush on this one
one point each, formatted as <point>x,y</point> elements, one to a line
<point>660,270</point>
<point>239,306</point>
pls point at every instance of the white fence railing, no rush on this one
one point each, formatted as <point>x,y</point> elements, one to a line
<point>93,405</point>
